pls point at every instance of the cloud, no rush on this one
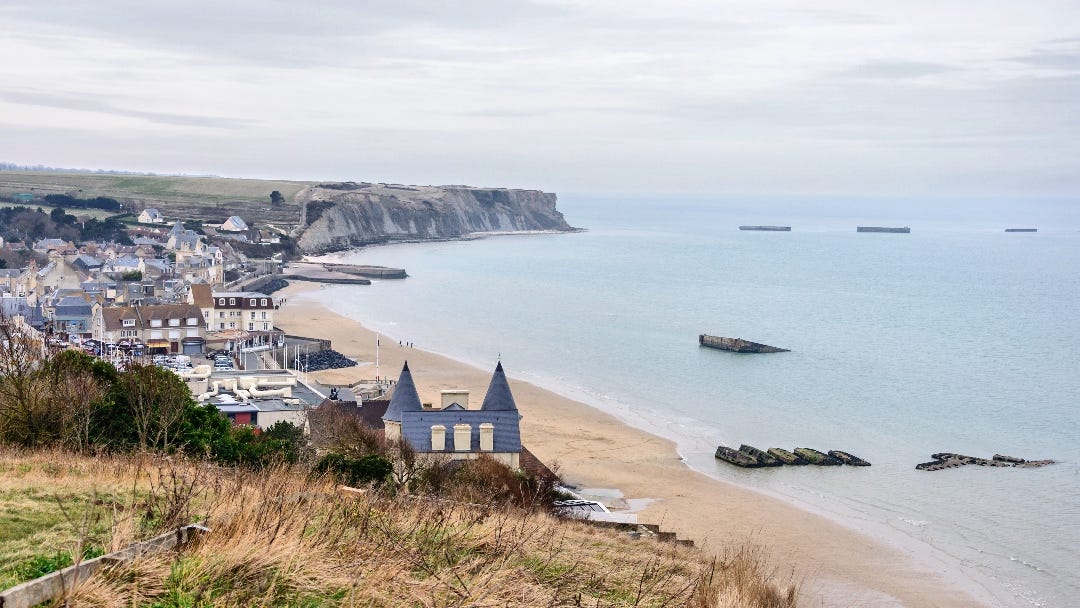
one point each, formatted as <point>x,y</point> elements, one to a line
<point>589,95</point>
<point>896,70</point>
<point>84,104</point>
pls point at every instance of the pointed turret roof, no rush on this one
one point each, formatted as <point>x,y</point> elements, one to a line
<point>405,397</point>
<point>498,397</point>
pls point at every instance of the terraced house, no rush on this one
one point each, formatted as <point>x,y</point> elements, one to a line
<point>248,315</point>
<point>169,328</point>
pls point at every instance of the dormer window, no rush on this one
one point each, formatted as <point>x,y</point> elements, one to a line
<point>155,322</point>
<point>232,301</point>
<point>262,302</point>
<point>251,302</point>
<point>174,322</point>
<point>129,322</point>
<point>192,321</point>
<point>221,301</point>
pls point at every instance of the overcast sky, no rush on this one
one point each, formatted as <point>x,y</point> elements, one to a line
<point>961,97</point>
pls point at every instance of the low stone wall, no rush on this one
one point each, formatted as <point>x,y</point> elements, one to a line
<point>60,583</point>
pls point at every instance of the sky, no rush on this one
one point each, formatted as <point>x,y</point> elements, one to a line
<point>918,98</point>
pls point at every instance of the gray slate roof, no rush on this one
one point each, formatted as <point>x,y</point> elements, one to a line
<point>498,409</point>
<point>405,397</point>
<point>498,397</point>
<point>416,428</point>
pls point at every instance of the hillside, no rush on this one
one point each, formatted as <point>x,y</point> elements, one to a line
<point>283,538</point>
<point>325,217</point>
<point>210,199</point>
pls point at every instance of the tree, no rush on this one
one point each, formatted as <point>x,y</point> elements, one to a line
<point>156,400</point>
<point>276,198</point>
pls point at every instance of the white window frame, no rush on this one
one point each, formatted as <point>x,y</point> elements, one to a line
<point>155,322</point>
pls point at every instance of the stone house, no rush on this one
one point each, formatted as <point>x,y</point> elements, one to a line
<point>457,429</point>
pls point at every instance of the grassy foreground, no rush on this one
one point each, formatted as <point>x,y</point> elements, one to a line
<point>285,538</point>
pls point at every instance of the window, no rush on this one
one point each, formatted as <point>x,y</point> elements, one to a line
<point>193,333</point>
<point>156,335</point>
<point>129,322</point>
<point>251,302</point>
<point>251,327</point>
<point>221,301</point>
<point>232,325</point>
<point>174,334</point>
<point>155,322</point>
<point>192,321</point>
<point>221,326</point>
<point>232,301</point>
<point>264,314</point>
<point>221,315</point>
<point>266,326</point>
<point>174,322</point>
<point>253,314</point>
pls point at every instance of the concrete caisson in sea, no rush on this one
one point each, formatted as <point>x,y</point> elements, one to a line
<point>1021,230</point>
<point>737,345</point>
<point>737,458</point>
<point>848,459</point>
<point>786,457</point>
<point>815,457</point>
<point>767,228</point>
<point>762,457</point>
<point>900,230</point>
<point>948,460</point>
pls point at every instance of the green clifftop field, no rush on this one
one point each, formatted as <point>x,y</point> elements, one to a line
<point>197,198</point>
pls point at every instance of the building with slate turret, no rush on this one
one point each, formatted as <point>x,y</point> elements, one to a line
<point>455,429</point>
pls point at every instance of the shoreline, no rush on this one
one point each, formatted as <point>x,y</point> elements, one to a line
<point>835,563</point>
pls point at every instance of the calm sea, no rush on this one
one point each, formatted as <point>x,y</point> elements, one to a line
<point>957,337</point>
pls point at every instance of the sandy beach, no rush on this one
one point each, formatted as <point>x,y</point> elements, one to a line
<point>835,565</point>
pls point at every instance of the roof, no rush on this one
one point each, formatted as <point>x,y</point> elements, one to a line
<point>202,296</point>
<point>416,428</point>
<point>498,397</point>
<point>236,222</point>
<point>240,294</point>
<point>405,397</point>
<point>113,317</point>
<point>152,212</point>
<point>171,311</point>
<point>88,261</point>
<point>73,310</point>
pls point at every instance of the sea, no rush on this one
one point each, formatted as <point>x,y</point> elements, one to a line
<point>957,337</point>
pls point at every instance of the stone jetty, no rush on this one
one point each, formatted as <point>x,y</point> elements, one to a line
<point>767,228</point>
<point>948,460</point>
<point>1021,230</point>
<point>737,345</point>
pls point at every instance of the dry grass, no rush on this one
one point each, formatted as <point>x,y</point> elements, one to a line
<point>283,538</point>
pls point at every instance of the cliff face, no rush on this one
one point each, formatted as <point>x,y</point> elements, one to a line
<point>352,215</point>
